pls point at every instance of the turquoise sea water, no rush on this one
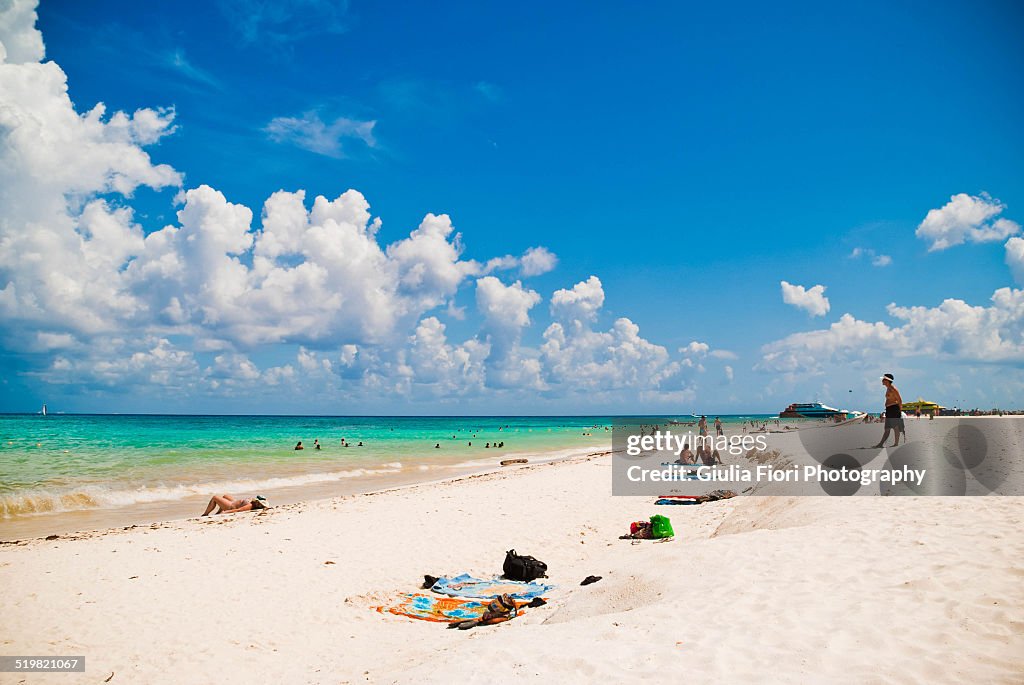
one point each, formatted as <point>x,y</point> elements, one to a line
<point>66,463</point>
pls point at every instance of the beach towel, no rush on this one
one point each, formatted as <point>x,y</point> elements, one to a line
<point>455,610</point>
<point>712,496</point>
<point>467,586</point>
<point>499,610</point>
<point>436,608</point>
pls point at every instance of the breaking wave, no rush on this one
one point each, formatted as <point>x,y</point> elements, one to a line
<point>44,501</point>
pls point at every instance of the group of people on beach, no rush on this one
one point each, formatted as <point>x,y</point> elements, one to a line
<point>705,452</point>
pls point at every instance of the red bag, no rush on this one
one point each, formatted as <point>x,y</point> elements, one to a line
<point>640,530</point>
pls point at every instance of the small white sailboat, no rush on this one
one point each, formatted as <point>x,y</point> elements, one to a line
<point>44,409</point>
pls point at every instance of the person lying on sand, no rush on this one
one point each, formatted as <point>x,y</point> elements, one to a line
<point>226,504</point>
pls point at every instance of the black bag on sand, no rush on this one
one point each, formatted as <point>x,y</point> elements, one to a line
<point>523,568</point>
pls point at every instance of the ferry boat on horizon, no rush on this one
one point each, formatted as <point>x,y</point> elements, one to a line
<point>812,410</point>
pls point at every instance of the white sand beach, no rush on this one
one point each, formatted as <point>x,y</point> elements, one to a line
<point>753,589</point>
<point>421,287</point>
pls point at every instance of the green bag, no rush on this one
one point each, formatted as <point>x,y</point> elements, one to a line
<point>661,527</point>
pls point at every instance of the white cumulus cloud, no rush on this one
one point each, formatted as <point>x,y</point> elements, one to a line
<point>91,296</point>
<point>505,307</point>
<point>577,357</point>
<point>954,330</point>
<point>76,267</point>
<point>534,262</point>
<point>812,300</point>
<point>966,218</point>
<point>537,260</point>
<point>61,249</point>
<point>445,368</point>
<point>695,349</point>
<point>580,303</point>
<point>20,42</point>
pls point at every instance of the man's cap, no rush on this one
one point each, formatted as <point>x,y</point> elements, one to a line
<point>888,376</point>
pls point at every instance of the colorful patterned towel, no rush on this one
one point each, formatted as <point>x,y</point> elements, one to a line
<point>478,588</point>
<point>435,608</point>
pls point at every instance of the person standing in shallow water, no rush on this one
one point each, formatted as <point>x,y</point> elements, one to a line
<point>893,412</point>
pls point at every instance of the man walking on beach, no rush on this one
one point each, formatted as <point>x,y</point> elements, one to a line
<point>893,412</point>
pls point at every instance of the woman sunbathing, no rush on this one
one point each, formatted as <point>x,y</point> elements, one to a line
<point>226,504</point>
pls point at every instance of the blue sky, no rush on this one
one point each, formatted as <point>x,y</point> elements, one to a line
<point>691,157</point>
